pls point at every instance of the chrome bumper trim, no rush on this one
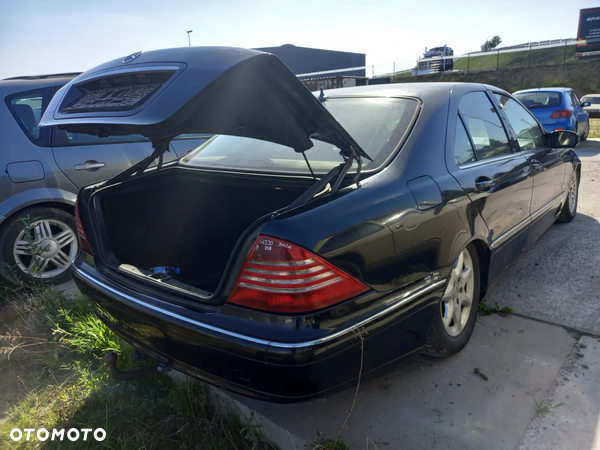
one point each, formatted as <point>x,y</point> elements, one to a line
<point>395,304</point>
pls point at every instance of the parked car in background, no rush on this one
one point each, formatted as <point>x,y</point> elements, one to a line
<point>42,170</point>
<point>556,109</point>
<point>312,238</point>
<point>591,104</point>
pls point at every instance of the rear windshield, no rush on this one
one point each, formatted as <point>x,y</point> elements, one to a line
<point>377,124</point>
<point>591,99</point>
<point>540,99</point>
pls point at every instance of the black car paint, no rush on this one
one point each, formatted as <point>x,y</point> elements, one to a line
<point>261,368</point>
<point>388,230</point>
<point>232,91</point>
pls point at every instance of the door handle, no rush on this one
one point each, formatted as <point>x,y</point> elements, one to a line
<point>537,166</point>
<point>90,165</point>
<point>484,183</point>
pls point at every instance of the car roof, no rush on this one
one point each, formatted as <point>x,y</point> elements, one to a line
<point>24,83</point>
<point>591,95</point>
<point>423,91</point>
<point>549,89</point>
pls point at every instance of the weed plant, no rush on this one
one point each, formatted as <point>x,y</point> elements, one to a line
<point>51,376</point>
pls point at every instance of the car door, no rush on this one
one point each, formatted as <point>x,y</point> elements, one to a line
<point>582,116</point>
<point>496,178</point>
<point>547,163</point>
<point>87,159</point>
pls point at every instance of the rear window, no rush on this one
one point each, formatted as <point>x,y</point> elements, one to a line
<point>377,124</point>
<point>541,99</point>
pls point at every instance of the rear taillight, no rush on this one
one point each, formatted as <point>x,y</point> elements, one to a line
<point>561,114</point>
<point>281,277</point>
<point>83,240</point>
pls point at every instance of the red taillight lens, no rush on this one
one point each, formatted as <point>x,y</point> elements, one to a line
<point>83,240</point>
<point>561,114</point>
<point>281,277</point>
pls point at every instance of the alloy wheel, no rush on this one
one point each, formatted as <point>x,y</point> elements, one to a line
<point>457,301</point>
<point>573,193</point>
<point>54,243</point>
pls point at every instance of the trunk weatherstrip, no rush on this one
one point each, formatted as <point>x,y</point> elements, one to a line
<point>398,302</point>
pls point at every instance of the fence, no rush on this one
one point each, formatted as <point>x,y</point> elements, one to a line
<point>524,55</point>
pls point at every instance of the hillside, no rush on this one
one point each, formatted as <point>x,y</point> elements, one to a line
<point>581,76</point>
<point>534,57</point>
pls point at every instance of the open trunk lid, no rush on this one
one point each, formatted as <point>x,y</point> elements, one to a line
<point>215,90</point>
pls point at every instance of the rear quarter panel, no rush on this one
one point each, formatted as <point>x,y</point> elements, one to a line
<point>375,229</point>
<point>15,147</point>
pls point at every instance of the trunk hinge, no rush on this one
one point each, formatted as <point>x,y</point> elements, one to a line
<point>354,156</point>
<point>160,147</point>
<point>338,173</point>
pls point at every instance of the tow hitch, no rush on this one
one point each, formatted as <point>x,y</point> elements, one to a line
<point>110,359</point>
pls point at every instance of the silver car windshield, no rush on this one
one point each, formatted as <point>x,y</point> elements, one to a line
<point>377,124</point>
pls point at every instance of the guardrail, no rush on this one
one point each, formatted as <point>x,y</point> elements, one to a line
<point>389,69</point>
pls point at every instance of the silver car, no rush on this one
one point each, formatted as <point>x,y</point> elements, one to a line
<point>42,170</point>
<point>591,104</point>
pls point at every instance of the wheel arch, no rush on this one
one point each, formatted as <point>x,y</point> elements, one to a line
<point>51,198</point>
<point>484,256</point>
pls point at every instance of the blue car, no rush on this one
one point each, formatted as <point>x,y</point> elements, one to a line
<point>556,109</point>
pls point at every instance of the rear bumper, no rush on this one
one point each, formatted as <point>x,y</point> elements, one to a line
<point>252,366</point>
<point>567,123</point>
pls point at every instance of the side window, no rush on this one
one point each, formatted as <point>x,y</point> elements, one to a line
<point>463,150</point>
<point>484,126</point>
<point>27,109</point>
<point>529,134</point>
<point>574,99</point>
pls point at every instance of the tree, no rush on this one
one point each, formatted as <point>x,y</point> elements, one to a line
<point>491,43</point>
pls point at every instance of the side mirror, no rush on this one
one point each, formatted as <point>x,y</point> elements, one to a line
<point>586,104</point>
<point>564,139</point>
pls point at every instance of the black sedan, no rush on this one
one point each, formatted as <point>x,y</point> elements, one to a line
<point>314,231</point>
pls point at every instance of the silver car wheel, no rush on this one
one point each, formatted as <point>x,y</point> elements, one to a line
<point>573,193</point>
<point>457,301</point>
<point>57,244</point>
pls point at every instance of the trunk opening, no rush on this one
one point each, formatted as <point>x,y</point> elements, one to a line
<point>180,226</point>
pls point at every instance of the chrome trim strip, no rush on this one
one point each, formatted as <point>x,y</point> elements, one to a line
<point>289,281</point>
<point>129,69</point>
<point>482,162</point>
<point>547,207</point>
<point>507,234</point>
<point>304,262</point>
<point>397,303</point>
<point>281,273</point>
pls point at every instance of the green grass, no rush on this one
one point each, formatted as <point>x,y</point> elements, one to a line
<point>51,376</point>
<point>400,76</point>
<point>554,55</point>
<point>541,408</point>
<point>594,129</point>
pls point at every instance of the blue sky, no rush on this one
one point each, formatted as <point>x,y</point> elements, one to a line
<point>49,36</point>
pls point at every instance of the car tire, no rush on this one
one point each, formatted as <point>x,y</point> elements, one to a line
<point>569,210</point>
<point>54,230</point>
<point>585,135</point>
<point>452,328</point>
